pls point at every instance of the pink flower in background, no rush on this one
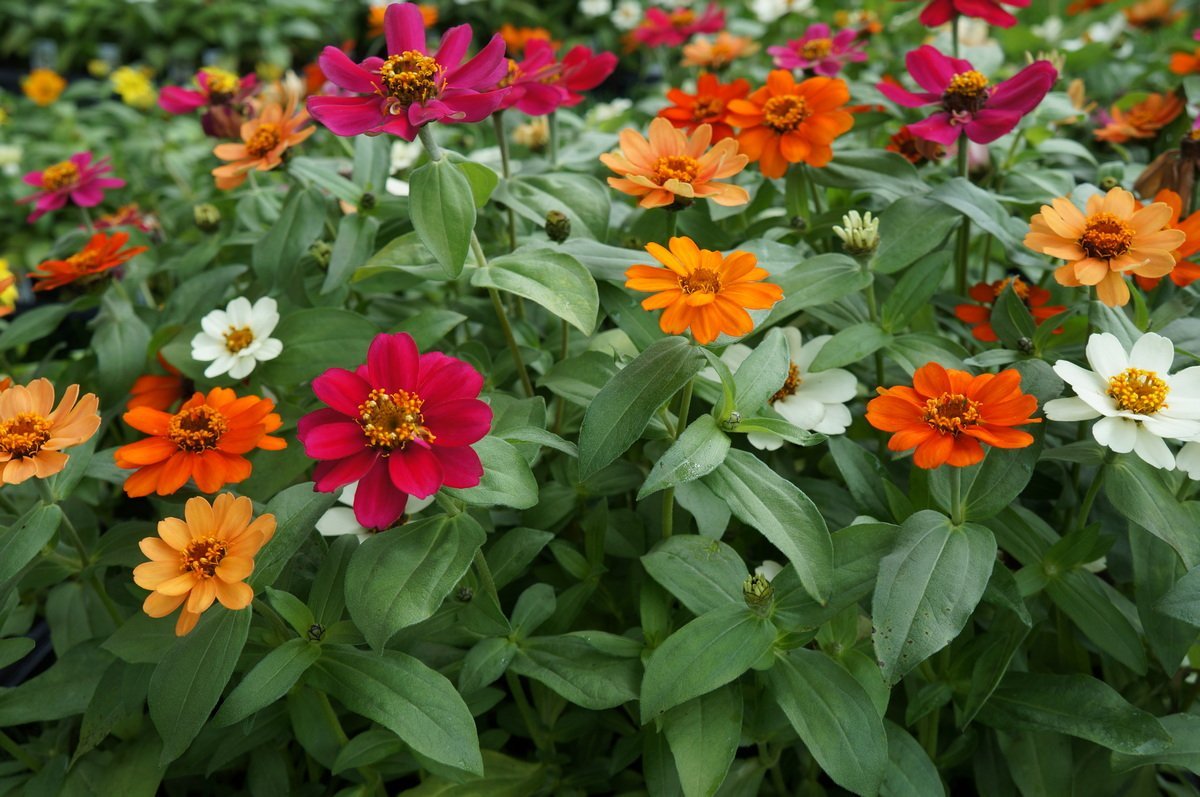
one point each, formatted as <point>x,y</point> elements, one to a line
<point>540,83</point>
<point>410,88</point>
<point>820,51</point>
<point>401,425</point>
<point>672,28</point>
<point>969,105</point>
<point>77,180</point>
<point>213,87</point>
<point>939,12</point>
<point>584,70</point>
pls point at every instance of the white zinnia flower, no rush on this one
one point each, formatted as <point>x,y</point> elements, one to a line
<point>340,520</point>
<point>238,338</point>
<point>771,10</point>
<point>404,154</point>
<point>1138,402</point>
<point>595,8</point>
<point>626,15</point>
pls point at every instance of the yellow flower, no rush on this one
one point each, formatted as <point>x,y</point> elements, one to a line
<point>43,86</point>
<point>134,86</point>
<point>98,67</point>
<point>8,288</point>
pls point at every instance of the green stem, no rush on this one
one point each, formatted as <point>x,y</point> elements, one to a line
<point>957,508</point>
<point>564,349</point>
<point>87,219</point>
<point>266,610</point>
<point>429,141</point>
<point>964,231</point>
<point>672,223</point>
<point>527,714</point>
<point>506,171</point>
<point>685,407</point>
<point>484,573</point>
<point>796,194</point>
<point>553,139</point>
<point>1185,489</point>
<point>954,44</point>
<point>502,316</point>
<point>18,752</point>
<point>1089,498</point>
<point>94,582</point>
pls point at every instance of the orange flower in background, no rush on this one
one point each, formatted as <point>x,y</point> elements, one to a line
<point>516,38</point>
<point>788,122</point>
<point>157,392</point>
<point>704,291</point>
<point>1185,272</point>
<point>102,253</point>
<point>1152,14</point>
<point>707,106</point>
<point>717,53</point>
<point>1100,246</point>
<point>947,414</point>
<point>1079,6</point>
<point>673,167</point>
<point>205,557</point>
<point>1186,63</point>
<point>43,86</point>
<point>206,440</point>
<point>986,294</point>
<point>265,139</point>
<point>375,15</point>
<point>34,433</point>
<point>1143,120</point>
<point>915,150</point>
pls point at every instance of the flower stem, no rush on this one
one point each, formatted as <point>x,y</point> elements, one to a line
<point>1089,498</point>
<point>685,407</point>
<point>527,714</point>
<point>502,317</point>
<point>954,43</point>
<point>506,170</point>
<point>87,218</point>
<point>958,509</point>
<point>484,572</point>
<point>18,752</point>
<point>429,141</point>
<point>554,139</point>
<point>964,231</point>
<point>672,223</point>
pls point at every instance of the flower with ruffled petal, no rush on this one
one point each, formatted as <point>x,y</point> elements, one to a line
<point>34,433</point>
<point>718,53</point>
<point>540,83</point>
<point>43,86</point>
<point>76,180</point>
<point>820,50</point>
<point>707,106</point>
<point>1186,271</point>
<point>662,28</point>
<point>102,253</point>
<point>265,139</point>
<point>1142,120</point>
<point>979,315</point>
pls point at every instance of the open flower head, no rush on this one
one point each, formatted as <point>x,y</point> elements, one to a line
<point>237,338</point>
<point>939,12</point>
<point>948,415</point>
<point>701,290</point>
<point>1106,241</point>
<point>8,289</point>
<point>1142,120</point>
<point>34,432</point>
<point>43,86</point>
<point>265,140</point>
<point>716,54</point>
<point>102,253</point>
<point>821,51</point>
<point>76,180</point>
<point>707,106</point>
<point>340,520</point>
<point>204,557</point>
<point>985,294</point>
<point>1186,271</point>
<point>663,28</point>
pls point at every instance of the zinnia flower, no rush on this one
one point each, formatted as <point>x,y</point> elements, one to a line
<point>1186,63</point>
<point>43,86</point>
<point>540,83</point>
<point>221,94</point>
<point>238,338</point>
<point>102,253</point>
<point>939,12</point>
<point>127,216</point>
<point>76,179</point>
<point>340,520</point>
<point>1152,14</point>
<point>788,122</point>
<point>205,557</point>
<point>1143,120</point>
<point>159,392</point>
<point>1185,272</point>
<point>674,167</point>
<point>206,440</point>
<point>134,86</point>
<point>8,289</point>
<point>265,139</point>
<point>986,294</point>
<point>34,433</point>
<point>706,107</point>
<point>968,104</point>
<point>717,54</point>
<point>701,290</point>
<point>661,28</point>
<point>411,88</point>
<point>913,149</point>
<point>820,50</point>
<point>1112,238</point>
<point>1136,398</point>
<point>517,38</point>
<point>947,414</point>
<point>401,425</point>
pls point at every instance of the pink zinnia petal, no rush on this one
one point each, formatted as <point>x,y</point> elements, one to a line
<point>454,46</point>
<point>483,71</point>
<point>990,124</point>
<point>908,99</point>
<point>331,475</point>
<point>393,362</point>
<point>937,128</point>
<point>176,100</point>
<point>474,107</point>
<point>343,72</point>
<point>937,13</point>
<point>377,502</point>
<point>87,195</point>
<point>1025,90</point>
<point>415,470</point>
<point>348,116</point>
<point>932,69</point>
<point>342,390</point>
<point>334,441</point>
<point>403,28</point>
<point>317,418</point>
<point>461,467</point>
<point>444,378</point>
<point>458,423</point>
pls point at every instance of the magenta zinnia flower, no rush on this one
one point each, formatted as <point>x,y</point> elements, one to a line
<point>76,179</point>
<point>400,425</point>
<point>939,12</point>
<point>672,28</point>
<point>411,88</point>
<point>820,51</point>
<point>968,104</point>
<point>540,83</point>
<point>220,93</point>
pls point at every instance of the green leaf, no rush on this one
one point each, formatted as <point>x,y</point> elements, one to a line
<point>483,179</point>
<point>33,325</point>
<point>1183,753</point>
<point>323,173</point>
<point>999,480</point>
<point>315,340</point>
<point>702,574</point>
<point>777,509</point>
<point>982,208</point>
<point>63,690</point>
<point>400,577</point>
<point>762,373</point>
<point>910,773</point>
<point>554,280</point>
<point>1156,569</point>
<point>503,777</point>
<point>300,224</point>
<point>269,680</point>
<point>403,695</point>
<point>864,475</point>
<point>1182,601</point>
<point>296,512</point>
<point>189,680</point>
<point>484,663</point>
<point>850,345</point>
<point>698,451</point>
<point>780,428</point>
<point>817,281</point>
<point>878,171</point>
<point>914,290</point>
<point>120,340</point>
<point>442,207</point>
<point>1137,491</point>
<point>574,668</point>
<point>705,654</point>
<point>367,749</point>
<point>582,198</point>
<point>1011,318</point>
<point>703,735</point>
<point>834,716</point>
<point>619,413</point>
<point>23,540</point>
<point>1083,597</point>
<point>927,588</point>
<point>910,228</point>
<point>507,479</point>
<point>354,245</point>
<point>509,556</point>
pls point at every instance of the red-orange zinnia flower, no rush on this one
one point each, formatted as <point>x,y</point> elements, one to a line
<point>706,107</point>
<point>157,392</point>
<point>1186,63</point>
<point>947,414</point>
<point>914,149</point>
<point>102,253</point>
<point>717,54</point>
<point>206,440</point>
<point>1143,120</point>
<point>1185,272</point>
<point>986,293</point>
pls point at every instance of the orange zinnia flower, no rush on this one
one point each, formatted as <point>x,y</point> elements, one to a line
<point>7,292</point>
<point>265,139</point>
<point>102,253</point>
<point>706,106</point>
<point>913,149</point>
<point>205,441</point>
<point>702,290</point>
<point>1152,13</point>
<point>375,15</point>
<point>717,54</point>
<point>33,432</point>
<point>985,293</point>
<point>206,556</point>
<point>947,414</point>
<point>1143,120</point>
<point>43,86</point>
<point>1112,238</point>
<point>1186,63</point>
<point>157,392</point>
<point>675,168</point>
<point>516,38</point>
<point>1079,6</point>
<point>1185,272</point>
<point>788,122</point>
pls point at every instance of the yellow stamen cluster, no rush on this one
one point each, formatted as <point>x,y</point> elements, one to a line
<point>222,84</point>
<point>197,429</point>
<point>202,556</point>
<point>785,113</point>
<point>967,93</point>
<point>950,413</point>
<point>1138,391</point>
<point>238,338</point>
<point>1105,236</point>
<point>24,434</point>
<point>410,76</point>
<point>60,175</point>
<point>1020,287</point>
<point>83,262</point>
<point>683,16</point>
<point>265,139</point>
<point>702,280</point>
<point>790,385</point>
<point>814,49</point>
<point>706,106</point>
<point>390,420</point>
<point>683,168</point>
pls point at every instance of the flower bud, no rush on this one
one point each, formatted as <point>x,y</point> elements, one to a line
<point>1110,176</point>
<point>368,200</point>
<point>757,591</point>
<point>464,595</point>
<point>315,632</point>
<point>859,233</point>
<point>798,223</point>
<point>208,217</point>
<point>730,423</point>
<point>558,226</point>
<point>321,252</point>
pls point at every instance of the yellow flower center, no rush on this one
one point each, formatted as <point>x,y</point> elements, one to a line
<point>722,55</point>
<point>967,92</point>
<point>706,106</point>
<point>514,71</point>
<point>684,16</point>
<point>24,434</point>
<point>390,420</point>
<point>950,413</point>
<point>238,338</point>
<point>785,113</point>
<point>202,556</point>
<point>83,262</point>
<point>1138,391</point>
<point>222,84</point>
<point>410,77</point>
<point>1020,287</point>
<point>265,139</point>
<point>1105,236</point>
<point>60,175</point>
<point>197,429</point>
<point>816,48</point>
<point>790,385</point>
<point>701,280</point>
<point>683,168</point>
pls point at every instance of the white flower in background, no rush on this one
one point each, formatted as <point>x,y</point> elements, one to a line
<point>238,338</point>
<point>607,111</point>
<point>974,32</point>
<point>771,10</point>
<point>1138,402</point>
<point>626,15</point>
<point>10,159</point>
<point>768,569</point>
<point>340,520</point>
<point>595,8</point>
<point>404,154</point>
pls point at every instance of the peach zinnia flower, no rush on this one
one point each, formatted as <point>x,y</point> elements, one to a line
<point>1151,14</point>
<point>33,432</point>
<point>717,54</point>
<point>1185,272</point>
<point>788,122</point>
<point>702,290</point>
<point>1143,120</point>
<point>675,168</point>
<point>947,414</point>
<point>1111,238</point>
<point>205,557</point>
<point>102,253</point>
<point>205,440</point>
<point>265,139</point>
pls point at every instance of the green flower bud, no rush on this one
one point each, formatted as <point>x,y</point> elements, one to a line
<point>208,217</point>
<point>1110,176</point>
<point>859,233</point>
<point>757,591</point>
<point>321,252</point>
